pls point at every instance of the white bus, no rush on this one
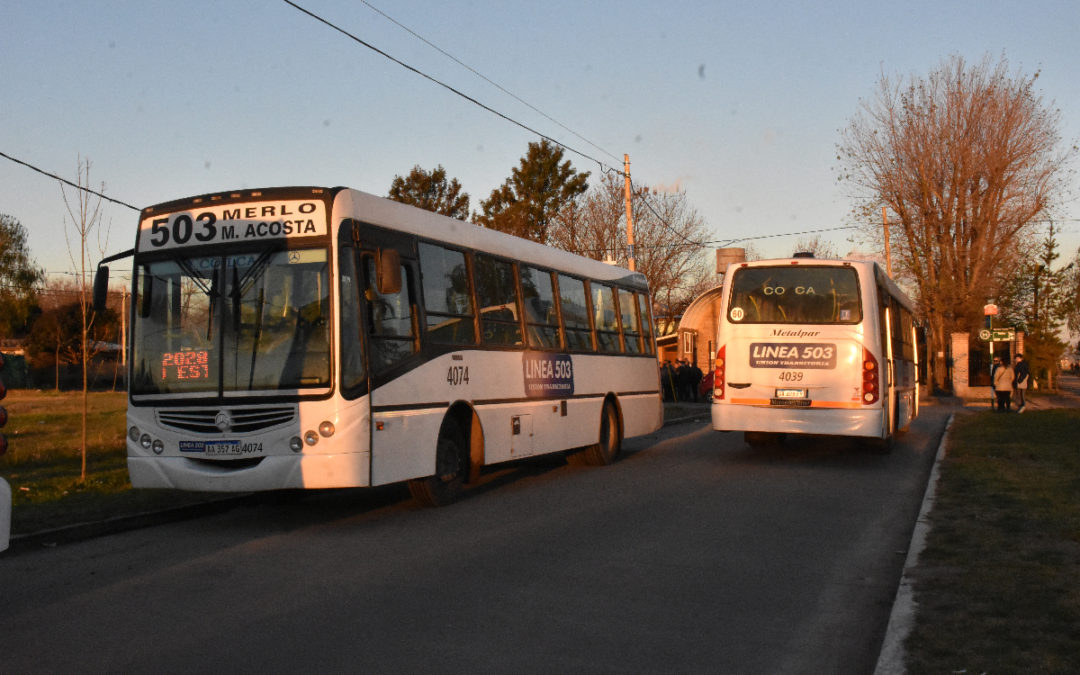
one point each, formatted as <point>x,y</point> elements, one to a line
<point>318,338</point>
<point>807,346</point>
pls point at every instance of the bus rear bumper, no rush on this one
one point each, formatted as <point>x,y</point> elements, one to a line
<point>269,473</point>
<point>861,422</point>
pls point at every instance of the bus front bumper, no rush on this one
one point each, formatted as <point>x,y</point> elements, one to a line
<point>269,473</point>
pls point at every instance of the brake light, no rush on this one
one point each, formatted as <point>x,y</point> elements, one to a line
<point>718,375</point>
<point>871,378</point>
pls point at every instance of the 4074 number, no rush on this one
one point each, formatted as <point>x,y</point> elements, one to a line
<point>457,375</point>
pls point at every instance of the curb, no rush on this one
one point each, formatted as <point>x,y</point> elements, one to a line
<point>902,618</point>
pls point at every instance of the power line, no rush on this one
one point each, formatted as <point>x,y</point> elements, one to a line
<point>442,84</point>
<point>67,182</point>
<point>483,77</point>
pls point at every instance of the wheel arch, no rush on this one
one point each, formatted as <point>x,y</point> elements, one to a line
<point>469,422</point>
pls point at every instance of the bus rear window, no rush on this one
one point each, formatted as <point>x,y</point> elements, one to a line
<point>795,294</point>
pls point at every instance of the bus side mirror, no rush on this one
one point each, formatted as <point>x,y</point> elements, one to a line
<point>101,287</point>
<point>388,272</point>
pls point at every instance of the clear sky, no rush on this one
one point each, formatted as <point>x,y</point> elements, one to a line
<point>737,103</point>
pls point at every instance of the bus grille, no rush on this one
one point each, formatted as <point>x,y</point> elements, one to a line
<point>204,420</point>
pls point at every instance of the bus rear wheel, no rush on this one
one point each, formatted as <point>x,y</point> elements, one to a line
<point>451,469</point>
<point>607,449</point>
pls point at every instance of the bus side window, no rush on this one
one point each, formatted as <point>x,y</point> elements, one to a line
<point>496,292</point>
<point>541,314</point>
<point>447,295</point>
<point>575,313</point>
<point>646,321</point>
<point>391,323</point>
<point>607,319</point>
<point>631,326</point>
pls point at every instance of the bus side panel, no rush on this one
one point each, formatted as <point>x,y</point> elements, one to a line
<point>403,444</point>
<point>641,414</point>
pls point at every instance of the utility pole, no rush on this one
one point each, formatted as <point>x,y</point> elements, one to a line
<point>888,252</point>
<point>629,216</point>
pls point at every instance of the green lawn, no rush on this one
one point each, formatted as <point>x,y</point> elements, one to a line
<point>998,586</point>
<point>43,464</point>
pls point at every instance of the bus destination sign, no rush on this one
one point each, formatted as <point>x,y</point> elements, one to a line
<point>233,224</point>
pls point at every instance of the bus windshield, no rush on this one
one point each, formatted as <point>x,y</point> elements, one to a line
<point>242,322</point>
<point>795,294</point>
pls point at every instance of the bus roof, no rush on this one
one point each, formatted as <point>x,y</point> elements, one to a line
<point>350,203</point>
<point>430,225</point>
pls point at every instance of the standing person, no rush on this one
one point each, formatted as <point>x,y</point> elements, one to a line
<point>1022,375</point>
<point>1003,384</point>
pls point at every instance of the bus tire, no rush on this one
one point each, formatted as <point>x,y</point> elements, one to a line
<point>607,449</point>
<point>451,468</point>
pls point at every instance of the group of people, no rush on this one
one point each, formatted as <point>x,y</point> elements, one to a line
<point>681,380</point>
<point>1008,379</point>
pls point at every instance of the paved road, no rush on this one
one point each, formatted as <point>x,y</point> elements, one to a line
<point>692,554</point>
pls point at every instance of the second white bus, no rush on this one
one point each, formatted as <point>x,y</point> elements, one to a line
<point>808,346</point>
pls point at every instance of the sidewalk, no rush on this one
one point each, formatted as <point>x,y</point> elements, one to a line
<point>1066,396</point>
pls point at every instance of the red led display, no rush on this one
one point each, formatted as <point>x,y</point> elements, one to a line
<point>188,365</point>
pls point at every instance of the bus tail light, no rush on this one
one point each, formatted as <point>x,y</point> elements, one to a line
<point>871,378</point>
<point>718,374</point>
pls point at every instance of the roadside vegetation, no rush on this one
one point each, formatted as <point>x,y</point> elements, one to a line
<point>998,586</point>
<point>43,463</point>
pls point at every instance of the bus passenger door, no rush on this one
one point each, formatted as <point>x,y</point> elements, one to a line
<point>388,285</point>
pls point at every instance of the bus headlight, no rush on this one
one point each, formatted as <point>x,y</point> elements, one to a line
<point>295,444</point>
<point>133,434</point>
<point>311,438</point>
<point>326,429</point>
<point>145,441</point>
<point>158,447</point>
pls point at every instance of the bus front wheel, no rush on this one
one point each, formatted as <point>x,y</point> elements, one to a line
<point>451,468</point>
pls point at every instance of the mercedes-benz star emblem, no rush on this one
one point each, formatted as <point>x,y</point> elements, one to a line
<point>223,421</point>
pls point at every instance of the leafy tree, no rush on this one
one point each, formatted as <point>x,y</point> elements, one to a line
<point>18,276</point>
<point>56,336</point>
<point>1038,300</point>
<point>539,188</point>
<point>968,159</point>
<point>431,191</point>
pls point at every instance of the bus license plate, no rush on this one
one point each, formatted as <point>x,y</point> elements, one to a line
<point>790,393</point>
<point>211,448</point>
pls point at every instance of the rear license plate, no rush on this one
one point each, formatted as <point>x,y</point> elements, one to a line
<point>790,393</point>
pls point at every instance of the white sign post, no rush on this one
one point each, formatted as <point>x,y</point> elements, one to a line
<point>5,514</point>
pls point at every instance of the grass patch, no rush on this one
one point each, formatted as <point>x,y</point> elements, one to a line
<point>998,585</point>
<point>43,464</point>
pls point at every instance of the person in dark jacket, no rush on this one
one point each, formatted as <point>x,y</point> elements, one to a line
<point>1021,377</point>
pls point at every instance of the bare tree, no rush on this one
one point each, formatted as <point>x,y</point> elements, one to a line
<point>85,213</point>
<point>820,248</point>
<point>667,236</point>
<point>967,159</point>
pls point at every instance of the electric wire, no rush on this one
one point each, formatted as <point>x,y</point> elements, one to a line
<point>67,182</point>
<point>484,77</point>
<point>442,84</point>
